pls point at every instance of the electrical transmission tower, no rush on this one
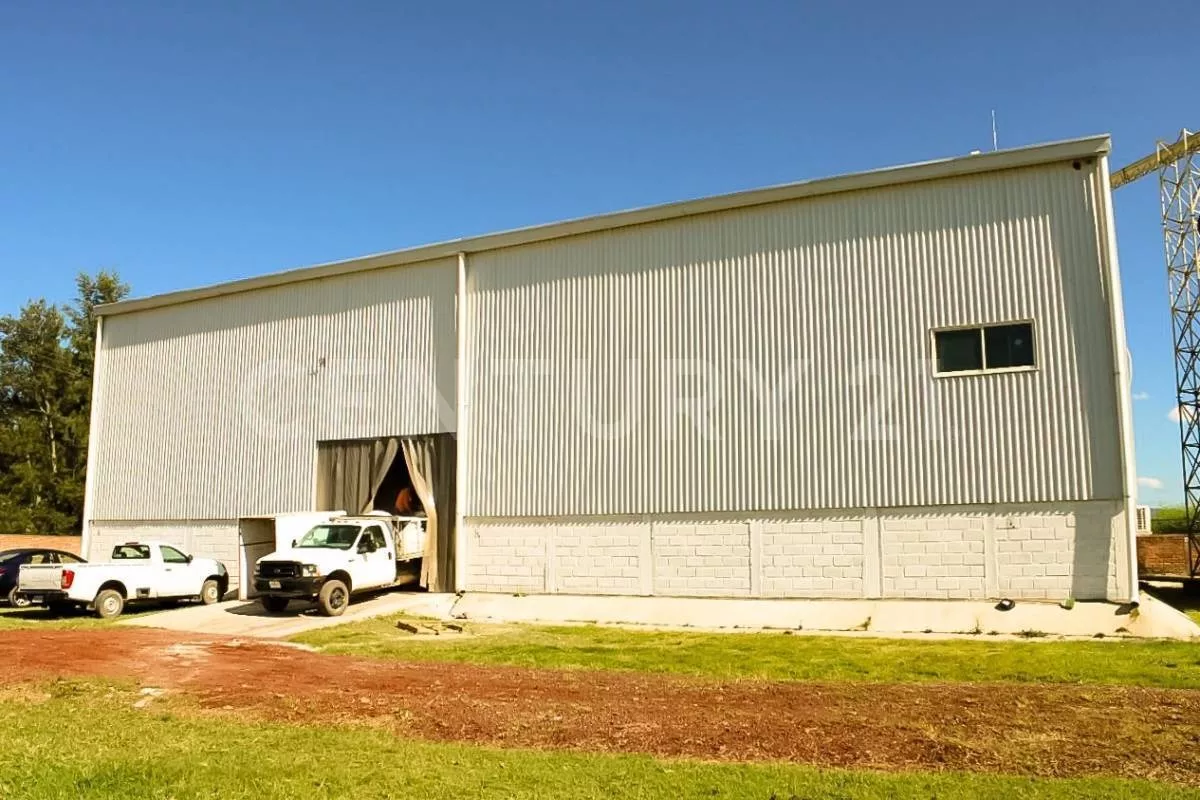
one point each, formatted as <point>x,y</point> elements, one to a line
<point>1178,167</point>
<point>1179,185</point>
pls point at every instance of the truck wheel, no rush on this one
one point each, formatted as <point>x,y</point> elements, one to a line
<point>109,603</point>
<point>333,599</point>
<point>17,601</point>
<point>275,605</point>
<point>210,592</point>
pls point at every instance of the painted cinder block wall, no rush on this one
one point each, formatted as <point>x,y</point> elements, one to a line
<point>945,553</point>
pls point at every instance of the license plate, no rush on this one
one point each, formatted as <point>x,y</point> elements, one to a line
<point>275,584</point>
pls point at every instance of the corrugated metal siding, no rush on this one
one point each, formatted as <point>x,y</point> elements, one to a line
<point>828,301</point>
<point>211,409</point>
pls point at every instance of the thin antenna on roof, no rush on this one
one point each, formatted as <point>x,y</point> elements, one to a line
<point>995,142</point>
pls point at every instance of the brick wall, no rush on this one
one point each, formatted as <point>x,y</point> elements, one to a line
<point>934,556</point>
<point>596,559</point>
<point>701,559</point>
<point>1055,555</point>
<point>1034,556</point>
<point>69,544</point>
<point>821,557</point>
<point>1047,552</point>
<point>1163,554</point>
<point>509,557</point>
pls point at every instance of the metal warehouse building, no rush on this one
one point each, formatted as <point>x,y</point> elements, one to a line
<point>910,382</point>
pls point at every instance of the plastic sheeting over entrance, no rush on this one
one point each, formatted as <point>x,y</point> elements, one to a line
<point>350,474</point>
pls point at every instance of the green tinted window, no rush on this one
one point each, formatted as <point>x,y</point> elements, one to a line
<point>959,350</point>
<point>1008,345</point>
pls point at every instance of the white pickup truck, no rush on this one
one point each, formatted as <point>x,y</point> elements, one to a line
<point>338,558</point>
<point>138,572</point>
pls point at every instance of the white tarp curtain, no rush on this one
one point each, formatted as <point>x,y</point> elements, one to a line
<point>431,466</point>
<point>349,475</point>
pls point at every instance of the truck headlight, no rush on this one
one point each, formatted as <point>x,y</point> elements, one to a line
<point>310,571</point>
<point>257,570</point>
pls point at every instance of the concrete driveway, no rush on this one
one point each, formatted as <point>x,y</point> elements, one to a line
<point>247,618</point>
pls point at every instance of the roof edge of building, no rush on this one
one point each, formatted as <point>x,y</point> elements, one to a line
<point>1031,155</point>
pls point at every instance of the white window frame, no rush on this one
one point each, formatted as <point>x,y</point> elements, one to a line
<point>964,373</point>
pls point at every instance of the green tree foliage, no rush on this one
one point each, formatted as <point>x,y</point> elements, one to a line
<point>1169,519</point>
<point>46,360</point>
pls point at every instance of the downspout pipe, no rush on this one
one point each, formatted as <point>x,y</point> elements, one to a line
<point>461,427</point>
<point>1122,379</point>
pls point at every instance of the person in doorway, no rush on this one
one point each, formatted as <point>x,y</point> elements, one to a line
<point>407,503</point>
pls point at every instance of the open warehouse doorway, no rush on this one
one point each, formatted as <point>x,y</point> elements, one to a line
<point>259,536</point>
<point>398,475</point>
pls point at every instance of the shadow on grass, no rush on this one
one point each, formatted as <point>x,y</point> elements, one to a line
<point>1184,597</point>
<point>308,608</point>
<point>36,615</point>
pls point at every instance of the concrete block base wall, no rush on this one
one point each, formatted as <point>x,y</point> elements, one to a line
<point>1030,552</point>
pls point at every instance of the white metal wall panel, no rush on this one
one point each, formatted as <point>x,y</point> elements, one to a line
<point>798,336</point>
<point>211,409</point>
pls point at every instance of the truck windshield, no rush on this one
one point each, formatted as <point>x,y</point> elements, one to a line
<point>340,537</point>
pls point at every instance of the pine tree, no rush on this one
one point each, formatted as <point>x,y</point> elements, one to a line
<point>46,365</point>
<point>105,287</point>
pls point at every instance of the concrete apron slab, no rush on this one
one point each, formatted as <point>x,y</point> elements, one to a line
<point>1152,618</point>
<point>247,618</point>
<point>899,618</point>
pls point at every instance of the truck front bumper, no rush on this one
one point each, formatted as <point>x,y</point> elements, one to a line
<point>288,587</point>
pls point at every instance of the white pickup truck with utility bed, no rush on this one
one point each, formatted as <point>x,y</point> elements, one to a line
<point>138,572</point>
<point>338,558</point>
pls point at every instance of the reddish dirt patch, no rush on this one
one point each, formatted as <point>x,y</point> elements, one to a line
<point>1026,729</point>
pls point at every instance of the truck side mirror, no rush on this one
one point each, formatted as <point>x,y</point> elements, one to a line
<point>189,559</point>
<point>293,542</point>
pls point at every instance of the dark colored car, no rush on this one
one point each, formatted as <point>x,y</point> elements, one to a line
<point>10,568</point>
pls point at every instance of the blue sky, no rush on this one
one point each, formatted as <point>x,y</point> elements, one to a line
<point>187,143</point>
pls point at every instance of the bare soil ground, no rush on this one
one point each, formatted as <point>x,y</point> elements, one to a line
<point>1029,729</point>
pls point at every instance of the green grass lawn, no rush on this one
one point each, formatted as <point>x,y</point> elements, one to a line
<point>79,739</point>
<point>776,656</point>
<point>37,618</point>
<point>41,619</point>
